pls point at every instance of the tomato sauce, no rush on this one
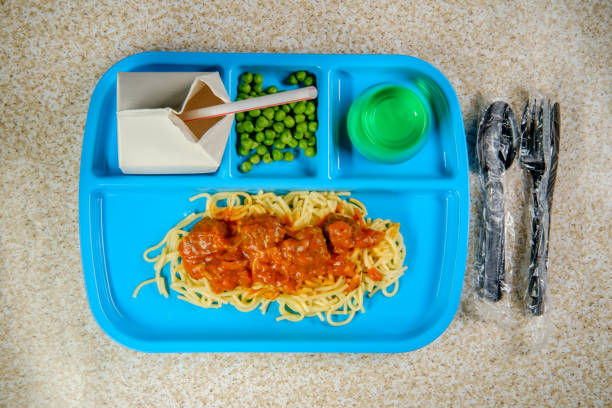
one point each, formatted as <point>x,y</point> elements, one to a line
<point>265,250</point>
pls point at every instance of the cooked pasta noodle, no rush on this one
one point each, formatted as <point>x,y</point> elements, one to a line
<point>335,299</point>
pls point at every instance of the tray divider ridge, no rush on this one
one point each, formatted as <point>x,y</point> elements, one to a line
<point>324,144</point>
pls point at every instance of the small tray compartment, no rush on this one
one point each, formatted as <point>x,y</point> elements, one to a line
<point>302,166</point>
<point>432,161</point>
<point>122,215</point>
<point>105,156</point>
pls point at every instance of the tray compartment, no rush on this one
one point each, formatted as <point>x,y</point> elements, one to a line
<point>347,83</point>
<point>275,73</point>
<point>151,321</point>
<point>105,155</point>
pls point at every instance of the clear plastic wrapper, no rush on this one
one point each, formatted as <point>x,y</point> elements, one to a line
<point>515,181</point>
<point>496,145</point>
<point>539,154</point>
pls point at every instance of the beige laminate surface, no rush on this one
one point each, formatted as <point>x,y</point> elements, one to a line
<point>52,352</point>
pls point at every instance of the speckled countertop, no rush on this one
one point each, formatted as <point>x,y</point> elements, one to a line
<point>52,352</point>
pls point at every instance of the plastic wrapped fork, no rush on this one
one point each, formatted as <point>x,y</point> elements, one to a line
<point>539,153</point>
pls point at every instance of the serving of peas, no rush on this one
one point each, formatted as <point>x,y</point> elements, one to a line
<point>278,132</point>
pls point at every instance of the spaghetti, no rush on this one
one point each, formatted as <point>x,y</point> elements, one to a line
<point>313,253</point>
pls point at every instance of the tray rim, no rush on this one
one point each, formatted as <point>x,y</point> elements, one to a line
<point>89,183</point>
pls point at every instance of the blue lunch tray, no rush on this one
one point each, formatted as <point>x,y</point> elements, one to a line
<point>122,215</point>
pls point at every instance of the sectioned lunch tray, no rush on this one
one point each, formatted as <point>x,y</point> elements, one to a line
<point>122,215</point>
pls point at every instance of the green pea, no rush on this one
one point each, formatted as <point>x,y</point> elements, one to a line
<point>261,150</point>
<point>298,135</point>
<point>278,127</point>
<point>300,107</point>
<point>292,104</point>
<point>300,75</point>
<point>288,156</point>
<point>301,127</point>
<point>254,113</point>
<point>278,144</point>
<point>277,155</point>
<point>308,134</point>
<point>312,141</point>
<point>270,134</point>
<point>279,115</point>
<point>259,137</point>
<point>257,88</point>
<point>253,93</point>
<point>303,144</point>
<point>243,95</point>
<point>285,137</point>
<point>246,88</point>
<point>246,166</point>
<point>293,143</point>
<point>239,116</point>
<point>247,77</point>
<point>312,126</point>
<point>292,80</point>
<point>276,108</point>
<point>257,128</point>
<point>310,151</point>
<point>248,143</point>
<point>244,136</point>
<point>289,122</point>
<point>267,158</point>
<point>286,108</point>
<point>258,78</point>
<point>239,99</point>
<point>255,159</point>
<point>268,113</point>
<point>268,142</point>
<point>311,117</point>
<point>240,127</point>
<point>243,150</point>
<point>299,118</point>
<point>248,127</point>
<point>261,122</point>
<point>272,90</point>
<point>309,80</point>
<point>310,108</point>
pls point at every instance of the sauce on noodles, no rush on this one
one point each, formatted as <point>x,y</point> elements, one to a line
<point>264,250</point>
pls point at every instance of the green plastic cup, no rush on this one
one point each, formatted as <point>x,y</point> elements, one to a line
<point>388,123</point>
